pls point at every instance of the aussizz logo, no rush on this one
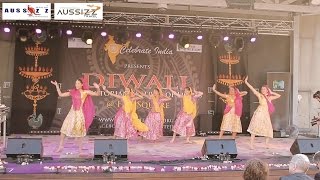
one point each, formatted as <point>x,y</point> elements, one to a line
<point>87,12</point>
<point>30,10</point>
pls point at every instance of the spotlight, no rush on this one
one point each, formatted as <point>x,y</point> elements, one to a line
<point>23,34</point>
<point>69,32</point>
<point>171,36</point>
<point>138,35</point>
<point>185,42</point>
<point>38,31</point>
<point>103,33</point>
<point>87,37</point>
<point>199,37</point>
<point>226,38</point>
<point>54,33</point>
<point>6,29</point>
<point>253,39</point>
<point>315,2</point>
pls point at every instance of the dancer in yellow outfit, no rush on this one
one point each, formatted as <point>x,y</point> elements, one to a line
<point>184,125</point>
<point>260,124</point>
<point>155,118</point>
<point>126,121</point>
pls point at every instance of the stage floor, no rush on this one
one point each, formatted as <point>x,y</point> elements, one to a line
<point>143,150</point>
<point>145,156</point>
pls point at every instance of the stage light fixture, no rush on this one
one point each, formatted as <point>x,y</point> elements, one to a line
<point>239,43</point>
<point>69,32</point>
<point>103,33</point>
<point>138,34</point>
<point>121,36</point>
<point>38,31</point>
<point>54,33</point>
<point>87,37</point>
<point>23,34</point>
<point>226,38</point>
<point>6,29</point>
<point>156,34</point>
<point>171,36</point>
<point>199,37</point>
<point>185,41</point>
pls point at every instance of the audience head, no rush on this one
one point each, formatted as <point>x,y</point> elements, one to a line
<point>256,169</point>
<point>316,159</point>
<point>299,164</point>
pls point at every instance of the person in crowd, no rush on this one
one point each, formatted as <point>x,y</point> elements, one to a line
<point>255,169</point>
<point>298,167</point>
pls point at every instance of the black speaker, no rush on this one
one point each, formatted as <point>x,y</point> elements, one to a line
<point>24,146</point>
<point>214,147</point>
<point>305,146</point>
<point>118,147</point>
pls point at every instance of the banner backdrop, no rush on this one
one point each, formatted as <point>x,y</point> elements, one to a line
<point>138,63</point>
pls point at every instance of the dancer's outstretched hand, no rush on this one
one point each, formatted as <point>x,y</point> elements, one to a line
<point>214,87</point>
<point>104,87</point>
<point>246,79</point>
<point>96,85</point>
<point>54,83</point>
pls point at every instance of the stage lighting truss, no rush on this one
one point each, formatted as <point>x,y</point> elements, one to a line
<point>262,26</point>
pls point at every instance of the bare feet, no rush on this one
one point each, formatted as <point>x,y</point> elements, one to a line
<point>59,150</point>
<point>172,140</point>
<point>189,142</point>
<point>251,147</point>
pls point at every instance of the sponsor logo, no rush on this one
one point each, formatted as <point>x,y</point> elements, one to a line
<point>26,11</point>
<point>78,11</point>
<point>194,48</point>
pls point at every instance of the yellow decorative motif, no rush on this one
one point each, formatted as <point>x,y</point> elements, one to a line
<point>113,49</point>
<point>230,79</point>
<point>36,92</point>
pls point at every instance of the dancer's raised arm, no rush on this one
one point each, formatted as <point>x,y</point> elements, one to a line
<point>110,93</point>
<point>274,95</point>
<point>137,96</point>
<point>175,93</point>
<point>217,92</point>
<point>94,93</point>
<point>243,93</point>
<point>197,94</point>
<point>65,94</point>
<point>255,92</point>
<point>143,94</point>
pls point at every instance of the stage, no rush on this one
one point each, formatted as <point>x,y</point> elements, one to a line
<point>148,157</point>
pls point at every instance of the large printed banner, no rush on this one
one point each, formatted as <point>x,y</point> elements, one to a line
<point>26,11</point>
<point>138,63</point>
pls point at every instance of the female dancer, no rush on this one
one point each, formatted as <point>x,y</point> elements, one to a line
<point>126,121</point>
<point>231,119</point>
<point>184,125</point>
<point>260,124</point>
<point>81,113</point>
<point>155,118</point>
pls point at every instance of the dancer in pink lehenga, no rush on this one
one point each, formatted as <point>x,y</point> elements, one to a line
<point>126,121</point>
<point>184,125</point>
<point>155,117</point>
<point>231,119</point>
<point>260,124</point>
<point>81,114</point>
